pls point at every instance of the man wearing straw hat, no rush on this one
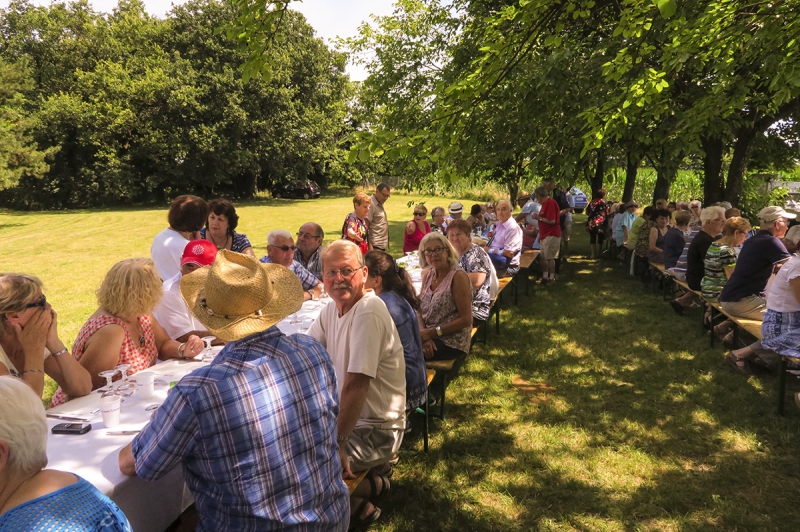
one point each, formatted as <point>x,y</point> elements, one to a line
<point>358,332</point>
<point>255,431</point>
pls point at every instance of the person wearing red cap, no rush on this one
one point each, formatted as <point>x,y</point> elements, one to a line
<point>173,313</point>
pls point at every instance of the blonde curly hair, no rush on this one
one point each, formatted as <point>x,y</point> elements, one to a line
<point>16,291</point>
<point>131,288</point>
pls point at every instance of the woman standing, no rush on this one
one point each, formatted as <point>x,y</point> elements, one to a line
<point>220,225</point>
<point>596,215</point>
<point>445,301</point>
<point>393,285</point>
<point>355,227</point>
<point>29,342</point>
<point>123,330</point>
<point>416,229</point>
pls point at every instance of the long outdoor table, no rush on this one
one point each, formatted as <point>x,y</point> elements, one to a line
<point>150,506</point>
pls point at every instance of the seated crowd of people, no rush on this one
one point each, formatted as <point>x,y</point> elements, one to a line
<point>337,397</point>
<point>751,273</point>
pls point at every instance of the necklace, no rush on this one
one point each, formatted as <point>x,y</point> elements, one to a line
<point>138,330</point>
<point>224,243</point>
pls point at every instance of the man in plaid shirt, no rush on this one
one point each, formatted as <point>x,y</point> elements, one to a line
<point>255,431</point>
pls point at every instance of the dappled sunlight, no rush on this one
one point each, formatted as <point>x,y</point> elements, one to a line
<point>608,311</point>
<point>736,441</point>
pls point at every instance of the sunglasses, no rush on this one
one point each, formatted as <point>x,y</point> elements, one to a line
<point>419,214</point>
<point>283,248</point>
<point>41,303</point>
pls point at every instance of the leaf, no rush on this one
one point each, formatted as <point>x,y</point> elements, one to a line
<point>667,7</point>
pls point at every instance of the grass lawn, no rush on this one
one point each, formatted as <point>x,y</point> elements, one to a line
<point>597,408</point>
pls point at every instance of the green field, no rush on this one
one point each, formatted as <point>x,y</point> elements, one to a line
<point>597,408</point>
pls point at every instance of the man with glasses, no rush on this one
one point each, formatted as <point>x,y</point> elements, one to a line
<point>358,332</point>
<point>376,218</point>
<point>743,294</point>
<point>309,246</point>
<point>281,250</point>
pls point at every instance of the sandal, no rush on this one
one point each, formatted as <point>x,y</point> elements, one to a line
<point>741,365</point>
<point>385,470</point>
<point>358,523</point>
<point>385,488</point>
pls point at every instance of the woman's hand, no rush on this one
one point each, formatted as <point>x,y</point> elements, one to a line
<point>53,344</point>
<point>34,335</point>
<point>428,348</point>
<point>410,227</point>
<point>427,333</point>
<point>194,345</point>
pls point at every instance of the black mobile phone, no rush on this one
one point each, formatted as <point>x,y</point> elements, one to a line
<point>71,428</point>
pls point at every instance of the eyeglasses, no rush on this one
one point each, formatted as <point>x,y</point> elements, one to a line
<point>346,273</point>
<point>42,302</point>
<point>282,248</point>
<point>434,251</point>
<point>307,235</point>
<point>419,214</point>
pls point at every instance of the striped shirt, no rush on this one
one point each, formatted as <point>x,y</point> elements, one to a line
<point>255,432</point>
<point>307,279</point>
<point>718,257</point>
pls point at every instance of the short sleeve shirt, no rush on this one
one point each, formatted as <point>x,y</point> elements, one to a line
<point>718,257</point>
<point>166,252</point>
<point>696,259</point>
<point>365,340</point>
<point>550,211</point>
<point>173,312</point>
<point>239,242</point>
<point>781,298</point>
<point>674,241</point>
<point>475,260</point>
<point>255,432</point>
<point>378,224</point>
<point>759,253</point>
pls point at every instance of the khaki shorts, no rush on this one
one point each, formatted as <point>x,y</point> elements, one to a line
<point>370,446</point>
<point>550,247</point>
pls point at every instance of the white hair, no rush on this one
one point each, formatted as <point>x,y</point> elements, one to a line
<point>711,214</point>
<point>22,426</point>
<point>343,247</point>
<point>277,233</point>
<point>695,203</point>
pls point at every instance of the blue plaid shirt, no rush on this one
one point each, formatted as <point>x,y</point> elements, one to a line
<point>307,279</point>
<point>255,432</point>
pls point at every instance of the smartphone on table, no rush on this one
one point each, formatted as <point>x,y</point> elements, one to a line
<point>71,428</point>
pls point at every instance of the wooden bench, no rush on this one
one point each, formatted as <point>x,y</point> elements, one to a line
<point>352,483</point>
<point>445,367</point>
<point>526,260</point>
<point>660,273</point>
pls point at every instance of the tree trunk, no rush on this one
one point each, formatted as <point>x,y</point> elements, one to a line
<point>741,155</point>
<point>599,172</point>
<point>713,182</point>
<point>631,169</point>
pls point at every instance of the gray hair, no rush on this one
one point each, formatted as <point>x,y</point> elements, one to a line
<point>696,203</point>
<point>22,426</point>
<point>452,256</point>
<point>277,233</point>
<point>437,211</point>
<point>711,213</point>
<point>343,247</point>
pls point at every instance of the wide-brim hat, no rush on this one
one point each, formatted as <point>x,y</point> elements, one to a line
<point>238,296</point>
<point>523,195</point>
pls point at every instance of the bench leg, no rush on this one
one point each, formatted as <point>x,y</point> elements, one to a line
<point>782,386</point>
<point>497,319</point>
<point>427,424</point>
<point>711,324</point>
<point>443,388</point>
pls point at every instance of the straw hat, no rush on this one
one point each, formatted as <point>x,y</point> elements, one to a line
<point>238,296</point>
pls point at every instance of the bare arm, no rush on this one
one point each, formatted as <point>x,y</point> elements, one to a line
<point>476,279</point>
<point>65,370</point>
<point>354,395</point>
<point>127,465</point>
<point>794,284</point>
<point>101,352</point>
<point>653,240</point>
<point>248,251</point>
<point>462,293</point>
<point>169,348</point>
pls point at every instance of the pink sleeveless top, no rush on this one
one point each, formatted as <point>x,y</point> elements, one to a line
<point>139,358</point>
<point>411,242</point>
<point>439,307</point>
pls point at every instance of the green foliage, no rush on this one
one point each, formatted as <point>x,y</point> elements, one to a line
<point>755,197</point>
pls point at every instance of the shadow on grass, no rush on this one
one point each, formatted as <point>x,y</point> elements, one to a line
<point>642,426</point>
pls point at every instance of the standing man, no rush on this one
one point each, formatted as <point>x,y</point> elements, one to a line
<point>309,248</point>
<point>358,332</point>
<point>549,233</point>
<point>376,218</point>
<point>505,246</point>
<point>566,221</point>
<point>255,431</point>
<point>280,250</point>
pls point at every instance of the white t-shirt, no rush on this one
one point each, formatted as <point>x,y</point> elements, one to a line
<point>173,312</point>
<point>780,297</point>
<point>571,202</point>
<point>365,340</point>
<point>166,252</point>
<point>12,370</point>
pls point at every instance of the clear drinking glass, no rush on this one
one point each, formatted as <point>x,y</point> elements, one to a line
<point>108,375</point>
<point>126,387</point>
<point>208,354</point>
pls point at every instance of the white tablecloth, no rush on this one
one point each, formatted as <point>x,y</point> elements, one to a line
<point>150,506</point>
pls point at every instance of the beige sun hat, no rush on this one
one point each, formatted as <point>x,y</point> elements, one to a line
<point>238,296</point>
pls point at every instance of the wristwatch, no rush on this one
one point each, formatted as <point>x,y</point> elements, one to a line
<point>439,331</point>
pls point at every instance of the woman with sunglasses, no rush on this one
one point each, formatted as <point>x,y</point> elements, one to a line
<point>416,229</point>
<point>445,301</point>
<point>29,342</point>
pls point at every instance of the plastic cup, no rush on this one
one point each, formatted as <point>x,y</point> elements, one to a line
<point>147,385</point>
<point>109,408</point>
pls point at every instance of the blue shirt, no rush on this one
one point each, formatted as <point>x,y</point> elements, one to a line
<point>405,319</point>
<point>673,247</point>
<point>78,507</point>
<point>754,267</point>
<point>239,243</point>
<point>307,279</point>
<point>626,219</point>
<point>255,432</point>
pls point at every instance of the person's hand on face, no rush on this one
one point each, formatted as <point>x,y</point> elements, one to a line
<point>33,328</point>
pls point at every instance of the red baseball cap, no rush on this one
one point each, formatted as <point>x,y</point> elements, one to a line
<point>200,252</point>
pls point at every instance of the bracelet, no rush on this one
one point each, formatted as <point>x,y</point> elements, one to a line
<point>342,437</point>
<point>33,371</point>
<point>181,348</point>
<point>65,350</point>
